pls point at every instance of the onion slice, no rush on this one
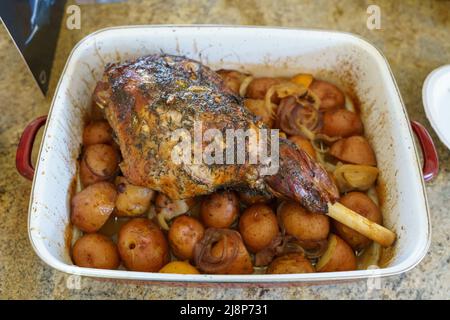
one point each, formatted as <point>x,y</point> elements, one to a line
<point>203,257</point>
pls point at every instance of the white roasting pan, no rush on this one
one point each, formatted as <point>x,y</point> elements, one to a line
<point>343,58</point>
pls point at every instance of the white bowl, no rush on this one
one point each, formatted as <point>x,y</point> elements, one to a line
<point>344,58</point>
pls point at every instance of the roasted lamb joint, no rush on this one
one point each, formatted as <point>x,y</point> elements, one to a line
<point>146,100</point>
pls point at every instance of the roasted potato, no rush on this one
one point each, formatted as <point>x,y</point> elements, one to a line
<point>220,209</point>
<point>258,87</point>
<point>331,97</point>
<point>132,200</point>
<point>98,132</point>
<point>305,226</point>
<point>258,108</point>
<point>290,263</point>
<point>350,177</point>
<point>339,256</point>
<point>180,267</point>
<point>142,246</point>
<point>99,163</point>
<point>92,206</point>
<point>305,145</point>
<point>341,123</point>
<point>355,149</point>
<point>362,204</point>
<point>233,79</point>
<point>184,233</point>
<point>94,250</point>
<point>258,226</point>
<point>250,196</point>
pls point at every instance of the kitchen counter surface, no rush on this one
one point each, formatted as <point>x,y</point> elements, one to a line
<point>414,36</point>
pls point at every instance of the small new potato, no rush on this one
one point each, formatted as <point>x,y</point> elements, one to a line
<point>184,233</point>
<point>94,250</point>
<point>339,256</point>
<point>362,204</point>
<point>305,145</point>
<point>142,246</point>
<point>179,267</point>
<point>331,97</point>
<point>258,226</point>
<point>251,196</point>
<point>132,200</point>
<point>233,79</point>
<point>355,149</point>
<point>258,108</point>
<point>220,209</point>
<point>290,263</point>
<point>305,226</point>
<point>258,87</point>
<point>98,132</point>
<point>341,123</point>
<point>92,206</point>
<point>99,163</point>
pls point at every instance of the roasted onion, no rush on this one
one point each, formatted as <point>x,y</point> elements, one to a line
<point>299,114</point>
<point>355,177</point>
<point>284,244</point>
<point>204,256</point>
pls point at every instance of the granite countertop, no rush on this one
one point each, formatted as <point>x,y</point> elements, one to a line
<point>414,36</point>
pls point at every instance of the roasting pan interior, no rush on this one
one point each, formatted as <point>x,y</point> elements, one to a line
<point>345,59</point>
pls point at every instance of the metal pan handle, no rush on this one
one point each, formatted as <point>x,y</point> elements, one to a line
<point>25,147</point>
<point>430,156</point>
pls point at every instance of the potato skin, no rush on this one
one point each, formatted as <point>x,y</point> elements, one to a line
<point>304,225</point>
<point>179,267</point>
<point>258,226</point>
<point>339,256</point>
<point>258,87</point>
<point>257,107</point>
<point>362,204</point>
<point>250,197</point>
<point>219,209</point>
<point>99,163</point>
<point>355,149</point>
<point>341,123</point>
<point>142,246</point>
<point>97,132</point>
<point>232,79</point>
<point>331,97</point>
<point>92,206</point>
<point>290,263</point>
<point>94,250</point>
<point>184,233</point>
<point>305,145</point>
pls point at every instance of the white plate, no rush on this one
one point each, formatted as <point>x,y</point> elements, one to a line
<point>436,100</point>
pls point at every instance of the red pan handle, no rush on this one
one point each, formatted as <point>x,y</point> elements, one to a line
<point>25,147</point>
<point>430,156</point>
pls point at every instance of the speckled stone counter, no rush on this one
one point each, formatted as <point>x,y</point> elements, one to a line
<point>414,36</point>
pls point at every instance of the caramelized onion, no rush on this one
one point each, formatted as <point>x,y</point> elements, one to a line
<point>205,260</point>
<point>284,244</point>
<point>244,85</point>
<point>315,249</point>
<point>299,115</point>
